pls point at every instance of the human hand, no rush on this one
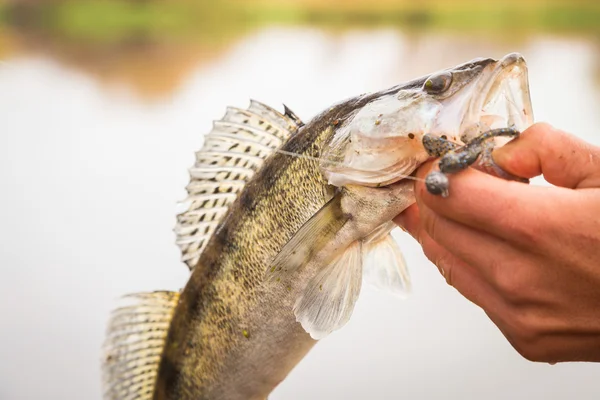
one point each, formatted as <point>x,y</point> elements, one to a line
<point>528,255</point>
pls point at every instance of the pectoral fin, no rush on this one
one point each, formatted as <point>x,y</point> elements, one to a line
<point>384,266</point>
<point>320,230</point>
<point>331,244</point>
<point>328,300</point>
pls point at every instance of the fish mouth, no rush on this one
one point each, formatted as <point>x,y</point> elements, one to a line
<point>504,102</point>
<point>491,94</point>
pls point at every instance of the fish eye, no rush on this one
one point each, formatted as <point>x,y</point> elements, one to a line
<point>438,83</point>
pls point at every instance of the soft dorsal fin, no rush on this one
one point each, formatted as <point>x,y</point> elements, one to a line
<point>231,154</point>
<point>134,345</point>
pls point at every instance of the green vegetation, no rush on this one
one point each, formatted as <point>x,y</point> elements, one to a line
<point>111,20</point>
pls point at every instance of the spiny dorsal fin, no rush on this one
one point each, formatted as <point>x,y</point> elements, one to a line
<point>232,153</point>
<point>292,115</point>
<point>282,120</point>
<point>134,344</point>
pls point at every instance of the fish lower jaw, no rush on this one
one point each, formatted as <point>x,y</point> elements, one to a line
<point>491,118</point>
<point>505,101</point>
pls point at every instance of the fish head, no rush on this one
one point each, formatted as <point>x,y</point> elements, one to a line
<point>379,140</point>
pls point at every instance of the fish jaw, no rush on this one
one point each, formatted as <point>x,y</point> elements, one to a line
<point>504,99</point>
<point>381,143</point>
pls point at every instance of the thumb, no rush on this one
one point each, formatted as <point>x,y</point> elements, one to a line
<point>563,159</point>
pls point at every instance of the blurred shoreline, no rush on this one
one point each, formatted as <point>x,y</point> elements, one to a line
<point>152,45</point>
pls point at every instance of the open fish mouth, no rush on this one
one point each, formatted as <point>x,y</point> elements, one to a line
<point>504,101</point>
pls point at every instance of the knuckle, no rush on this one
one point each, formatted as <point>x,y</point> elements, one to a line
<point>539,131</point>
<point>528,336</point>
<point>528,233</point>
<point>530,352</point>
<point>535,351</point>
<point>510,284</point>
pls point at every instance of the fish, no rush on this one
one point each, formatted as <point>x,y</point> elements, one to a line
<point>284,221</point>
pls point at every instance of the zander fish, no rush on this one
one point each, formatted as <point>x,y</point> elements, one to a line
<point>283,222</point>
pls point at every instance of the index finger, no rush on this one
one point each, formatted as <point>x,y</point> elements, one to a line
<point>516,212</point>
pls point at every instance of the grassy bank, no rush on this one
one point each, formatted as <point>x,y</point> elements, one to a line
<point>110,21</point>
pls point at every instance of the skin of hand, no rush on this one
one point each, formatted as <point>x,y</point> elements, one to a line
<point>528,255</point>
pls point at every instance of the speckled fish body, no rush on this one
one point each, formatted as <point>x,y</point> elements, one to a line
<point>234,336</point>
<point>279,241</point>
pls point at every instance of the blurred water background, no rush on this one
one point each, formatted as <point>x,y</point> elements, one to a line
<point>103,103</point>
